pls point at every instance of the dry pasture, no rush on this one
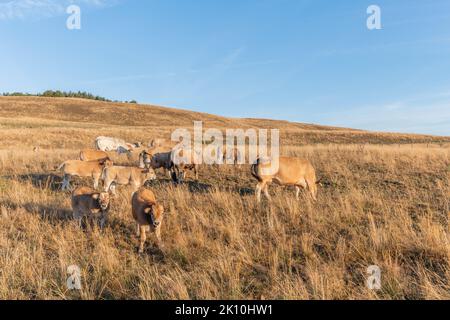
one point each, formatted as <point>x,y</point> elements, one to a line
<point>384,201</point>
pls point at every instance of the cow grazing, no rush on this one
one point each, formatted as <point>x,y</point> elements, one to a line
<point>93,205</point>
<point>169,161</point>
<point>291,171</point>
<point>148,215</point>
<point>183,159</point>
<point>93,155</point>
<point>112,144</point>
<point>118,175</point>
<point>155,160</point>
<point>83,169</point>
<point>133,155</point>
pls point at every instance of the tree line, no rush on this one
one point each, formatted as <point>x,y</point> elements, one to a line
<point>64,94</point>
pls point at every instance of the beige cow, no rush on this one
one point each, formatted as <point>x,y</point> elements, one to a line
<point>169,161</point>
<point>162,144</point>
<point>184,159</point>
<point>93,155</point>
<point>148,215</point>
<point>83,169</point>
<point>119,175</point>
<point>86,202</point>
<point>291,171</point>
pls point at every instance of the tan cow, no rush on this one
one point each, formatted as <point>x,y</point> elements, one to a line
<point>118,175</point>
<point>184,159</point>
<point>291,171</point>
<point>162,144</point>
<point>133,156</point>
<point>83,169</point>
<point>93,155</point>
<point>148,215</point>
<point>86,202</point>
<point>169,161</point>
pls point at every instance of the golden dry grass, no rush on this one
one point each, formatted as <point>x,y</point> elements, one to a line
<point>384,201</point>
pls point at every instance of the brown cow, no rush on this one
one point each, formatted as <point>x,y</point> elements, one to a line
<point>86,202</point>
<point>136,177</point>
<point>291,171</point>
<point>93,155</point>
<point>84,169</point>
<point>148,214</point>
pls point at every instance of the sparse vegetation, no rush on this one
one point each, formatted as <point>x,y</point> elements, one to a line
<point>62,94</point>
<point>384,201</point>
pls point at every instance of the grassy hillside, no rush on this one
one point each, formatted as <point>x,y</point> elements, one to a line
<point>384,201</point>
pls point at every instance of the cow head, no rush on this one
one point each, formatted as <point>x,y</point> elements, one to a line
<point>145,159</point>
<point>102,199</point>
<point>106,162</point>
<point>155,213</point>
<point>149,174</point>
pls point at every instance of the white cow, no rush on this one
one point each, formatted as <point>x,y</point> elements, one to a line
<point>112,144</point>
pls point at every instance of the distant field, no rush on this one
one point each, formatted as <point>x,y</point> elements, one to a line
<point>384,201</point>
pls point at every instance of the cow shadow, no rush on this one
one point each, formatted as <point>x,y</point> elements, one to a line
<point>193,186</point>
<point>41,181</point>
<point>51,181</point>
<point>197,187</point>
<point>50,213</point>
<point>244,191</point>
<point>46,212</point>
<point>130,241</point>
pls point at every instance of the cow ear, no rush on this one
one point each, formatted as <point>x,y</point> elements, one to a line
<point>95,196</point>
<point>147,210</point>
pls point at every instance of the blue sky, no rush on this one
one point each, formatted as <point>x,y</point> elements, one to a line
<point>310,61</point>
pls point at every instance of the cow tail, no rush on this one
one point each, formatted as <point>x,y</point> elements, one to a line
<point>103,175</point>
<point>255,171</point>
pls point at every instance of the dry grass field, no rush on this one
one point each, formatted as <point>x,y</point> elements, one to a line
<point>384,200</point>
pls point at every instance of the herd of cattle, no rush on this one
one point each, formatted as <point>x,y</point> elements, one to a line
<point>142,160</point>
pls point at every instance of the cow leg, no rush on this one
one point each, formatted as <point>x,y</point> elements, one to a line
<point>96,182</point>
<point>138,230</point>
<point>106,185</point>
<point>63,184</point>
<point>297,192</point>
<point>302,183</point>
<point>158,238</point>
<point>312,189</point>
<point>77,217</point>
<point>179,175</point>
<point>113,188</point>
<point>66,182</point>
<point>266,192</point>
<point>142,238</point>
<point>258,191</point>
<point>103,220</point>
